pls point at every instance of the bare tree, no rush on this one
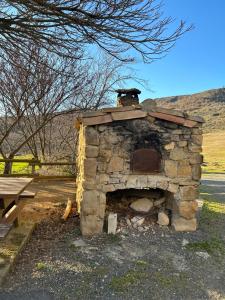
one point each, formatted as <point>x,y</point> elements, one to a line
<point>57,140</point>
<point>39,90</point>
<point>36,88</point>
<point>65,27</point>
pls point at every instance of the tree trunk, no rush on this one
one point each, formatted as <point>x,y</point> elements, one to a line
<point>8,165</point>
<point>8,168</point>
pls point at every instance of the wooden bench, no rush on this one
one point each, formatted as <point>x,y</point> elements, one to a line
<point>4,230</point>
<point>12,192</point>
<point>10,217</point>
<point>27,194</point>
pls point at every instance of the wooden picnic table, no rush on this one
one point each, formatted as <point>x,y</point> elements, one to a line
<point>11,190</point>
<point>13,187</point>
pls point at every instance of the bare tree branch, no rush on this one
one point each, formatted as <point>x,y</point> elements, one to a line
<point>65,27</point>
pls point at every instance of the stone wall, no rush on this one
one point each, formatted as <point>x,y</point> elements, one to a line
<point>104,166</point>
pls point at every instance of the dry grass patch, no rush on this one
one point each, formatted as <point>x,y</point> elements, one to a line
<point>214,152</point>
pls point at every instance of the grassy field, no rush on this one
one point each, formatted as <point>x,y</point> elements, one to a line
<point>24,168</point>
<point>19,168</point>
<point>214,152</point>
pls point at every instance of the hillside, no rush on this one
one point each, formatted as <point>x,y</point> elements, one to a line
<point>208,104</point>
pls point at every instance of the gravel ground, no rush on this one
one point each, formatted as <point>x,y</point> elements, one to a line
<point>156,264</point>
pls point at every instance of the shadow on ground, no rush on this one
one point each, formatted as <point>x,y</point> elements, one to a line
<point>157,264</point>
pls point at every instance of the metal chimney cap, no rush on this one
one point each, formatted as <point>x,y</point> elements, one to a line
<point>132,91</point>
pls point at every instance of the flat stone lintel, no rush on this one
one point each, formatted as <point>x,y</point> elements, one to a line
<point>128,115</point>
<point>175,119</point>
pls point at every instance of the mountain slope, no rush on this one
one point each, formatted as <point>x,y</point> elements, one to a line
<point>208,104</point>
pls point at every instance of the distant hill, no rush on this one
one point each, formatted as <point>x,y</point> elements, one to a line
<point>208,104</point>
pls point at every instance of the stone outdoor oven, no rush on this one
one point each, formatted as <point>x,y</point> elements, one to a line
<point>138,149</point>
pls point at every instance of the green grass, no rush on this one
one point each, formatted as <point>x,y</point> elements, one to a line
<point>212,216</point>
<point>141,263</point>
<point>214,246</point>
<point>211,208</point>
<point>19,168</point>
<point>41,266</point>
<point>130,278</point>
<point>214,152</point>
<point>212,221</point>
<point>170,280</point>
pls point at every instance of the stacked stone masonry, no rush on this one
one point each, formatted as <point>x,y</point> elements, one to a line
<point>104,161</point>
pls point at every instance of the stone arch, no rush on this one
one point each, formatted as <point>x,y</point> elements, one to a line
<point>93,204</point>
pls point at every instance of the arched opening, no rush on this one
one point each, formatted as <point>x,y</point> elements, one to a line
<point>145,204</point>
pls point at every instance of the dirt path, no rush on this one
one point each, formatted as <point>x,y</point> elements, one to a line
<point>50,196</point>
<point>157,264</point>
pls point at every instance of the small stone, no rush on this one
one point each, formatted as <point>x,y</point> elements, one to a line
<point>178,154</point>
<point>204,255</point>
<point>102,128</point>
<point>169,146</point>
<point>137,221</point>
<point>112,223</point>
<point>182,143</point>
<point>163,219</point>
<point>141,229</point>
<point>124,230</point>
<point>79,243</point>
<point>196,158</point>
<point>171,168</point>
<point>197,139</point>
<point>188,192</point>
<point>128,222</point>
<point>184,169</point>
<point>115,165</point>
<point>159,202</point>
<point>142,205</point>
<point>196,172</point>
<point>194,148</point>
<point>200,203</point>
<point>184,242</point>
<point>111,139</point>
<point>173,188</point>
<point>144,228</point>
<point>162,184</point>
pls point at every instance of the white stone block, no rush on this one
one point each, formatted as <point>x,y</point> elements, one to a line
<point>112,223</point>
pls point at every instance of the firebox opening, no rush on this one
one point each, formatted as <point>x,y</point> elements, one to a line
<point>131,205</point>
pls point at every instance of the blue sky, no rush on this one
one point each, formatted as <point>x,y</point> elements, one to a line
<point>197,62</point>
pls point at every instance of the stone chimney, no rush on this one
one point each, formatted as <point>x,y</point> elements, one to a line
<point>127,97</point>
